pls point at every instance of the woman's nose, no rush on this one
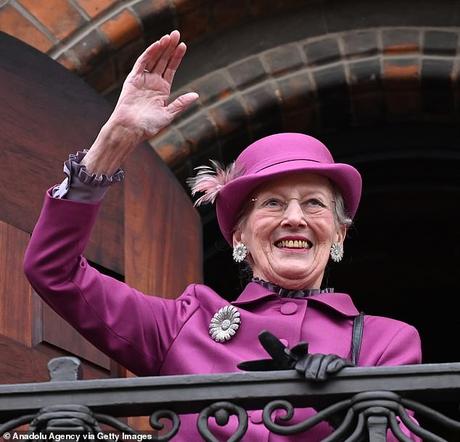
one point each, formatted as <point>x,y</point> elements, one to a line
<point>293,214</point>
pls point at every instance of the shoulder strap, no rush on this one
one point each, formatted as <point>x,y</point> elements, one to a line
<point>357,337</point>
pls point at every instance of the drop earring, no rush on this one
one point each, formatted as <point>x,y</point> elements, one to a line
<point>336,252</point>
<point>240,251</point>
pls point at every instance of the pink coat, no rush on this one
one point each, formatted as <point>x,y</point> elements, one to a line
<point>154,336</point>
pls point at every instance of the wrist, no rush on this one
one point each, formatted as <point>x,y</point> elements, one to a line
<point>111,147</point>
<point>118,131</point>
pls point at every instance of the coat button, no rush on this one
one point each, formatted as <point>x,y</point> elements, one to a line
<point>256,417</point>
<point>288,308</point>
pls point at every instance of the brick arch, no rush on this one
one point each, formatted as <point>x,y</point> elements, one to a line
<point>350,79</point>
<point>99,39</point>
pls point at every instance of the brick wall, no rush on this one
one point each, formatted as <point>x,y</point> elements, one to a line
<point>357,78</point>
<point>100,38</point>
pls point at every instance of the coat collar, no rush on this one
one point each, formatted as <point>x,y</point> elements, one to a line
<point>340,302</point>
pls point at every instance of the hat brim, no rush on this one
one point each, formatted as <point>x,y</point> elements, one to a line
<point>234,195</point>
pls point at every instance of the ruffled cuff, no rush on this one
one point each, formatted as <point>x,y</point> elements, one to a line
<point>79,185</point>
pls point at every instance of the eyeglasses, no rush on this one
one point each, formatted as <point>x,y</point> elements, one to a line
<point>277,205</point>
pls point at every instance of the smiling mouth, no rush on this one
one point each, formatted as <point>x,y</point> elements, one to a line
<point>294,244</point>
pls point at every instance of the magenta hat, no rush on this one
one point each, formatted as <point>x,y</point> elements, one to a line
<point>270,157</point>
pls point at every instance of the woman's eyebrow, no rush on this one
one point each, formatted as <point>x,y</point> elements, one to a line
<point>307,193</point>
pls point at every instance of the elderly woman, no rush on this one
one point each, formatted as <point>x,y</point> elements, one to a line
<point>284,206</point>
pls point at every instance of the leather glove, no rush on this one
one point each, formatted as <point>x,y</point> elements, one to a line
<point>314,367</point>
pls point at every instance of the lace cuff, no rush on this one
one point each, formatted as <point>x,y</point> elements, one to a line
<point>79,185</point>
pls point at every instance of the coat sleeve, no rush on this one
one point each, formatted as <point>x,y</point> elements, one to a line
<point>403,348</point>
<point>134,329</point>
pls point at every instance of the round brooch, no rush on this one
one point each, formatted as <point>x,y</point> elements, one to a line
<point>224,323</point>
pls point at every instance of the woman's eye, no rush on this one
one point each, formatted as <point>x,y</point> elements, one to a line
<point>314,202</point>
<point>272,203</point>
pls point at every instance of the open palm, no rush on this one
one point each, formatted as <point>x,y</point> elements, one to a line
<point>143,106</point>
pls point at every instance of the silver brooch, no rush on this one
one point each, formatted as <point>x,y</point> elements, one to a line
<point>224,323</point>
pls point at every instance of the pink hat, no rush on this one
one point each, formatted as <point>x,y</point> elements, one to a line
<point>263,160</point>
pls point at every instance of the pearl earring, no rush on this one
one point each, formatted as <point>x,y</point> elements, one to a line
<point>336,252</point>
<point>240,251</point>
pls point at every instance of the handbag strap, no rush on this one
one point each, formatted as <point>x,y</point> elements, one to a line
<point>357,337</point>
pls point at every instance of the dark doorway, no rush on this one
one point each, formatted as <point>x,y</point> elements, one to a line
<point>403,253</point>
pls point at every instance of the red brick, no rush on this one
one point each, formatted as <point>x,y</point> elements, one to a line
<point>440,43</point>
<point>264,110</point>
<point>262,101</point>
<point>90,51</point>
<point>95,7</point>
<point>283,58</point>
<point>121,29</point>
<point>360,44</point>
<point>199,132</point>
<point>401,73</point>
<point>69,62</point>
<point>365,75</point>
<point>171,147</point>
<point>322,51</point>
<point>400,41</point>
<point>213,87</point>
<point>248,71</point>
<point>13,23</point>
<point>229,116</point>
<point>157,17</point>
<point>61,18</point>
<point>296,91</point>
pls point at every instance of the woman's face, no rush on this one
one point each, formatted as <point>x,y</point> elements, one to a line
<point>289,230</point>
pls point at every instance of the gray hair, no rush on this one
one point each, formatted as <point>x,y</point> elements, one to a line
<point>339,209</point>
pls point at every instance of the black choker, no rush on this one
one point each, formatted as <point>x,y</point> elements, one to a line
<point>286,293</point>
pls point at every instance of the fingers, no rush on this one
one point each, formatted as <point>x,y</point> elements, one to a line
<point>260,365</point>
<point>159,55</point>
<point>300,350</point>
<point>174,62</point>
<point>317,367</point>
<point>163,60</point>
<point>337,365</point>
<point>272,345</point>
<point>150,55</point>
<point>181,103</point>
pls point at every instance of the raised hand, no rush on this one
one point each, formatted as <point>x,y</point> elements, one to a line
<point>144,105</point>
<point>143,108</point>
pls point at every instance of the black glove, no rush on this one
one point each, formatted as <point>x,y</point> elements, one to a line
<point>314,367</point>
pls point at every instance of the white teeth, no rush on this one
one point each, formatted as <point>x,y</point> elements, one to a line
<point>293,244</point>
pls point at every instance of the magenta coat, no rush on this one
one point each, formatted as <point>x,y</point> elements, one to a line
<point>155,336</point>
